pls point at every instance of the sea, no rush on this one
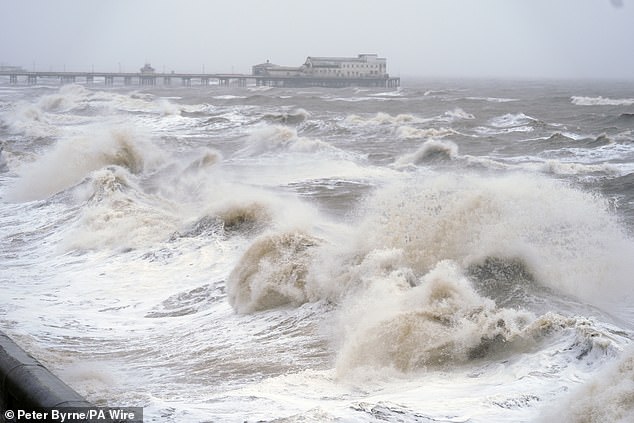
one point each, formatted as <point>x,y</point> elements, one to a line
<point>448,251</point>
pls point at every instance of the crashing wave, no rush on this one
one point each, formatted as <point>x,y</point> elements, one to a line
<point>272,272</point>
<point>430,152</point>
<point>276,138</point>
<point>73,159</point>
<point>442,321</point>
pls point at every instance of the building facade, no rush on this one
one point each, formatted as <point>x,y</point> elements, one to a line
<point>367,70</point>
<point>362,66</point>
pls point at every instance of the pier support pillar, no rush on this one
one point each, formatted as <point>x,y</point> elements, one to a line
<point>147,80</point>
<point>66,79</point>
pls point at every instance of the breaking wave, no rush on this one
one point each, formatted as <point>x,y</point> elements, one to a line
<point>561,232</point>
<point>381,118</point>
<point>30,120</point>
<point>66,99</point>
<point>493,99</point>
<point>271,273</point>
<point>430,151</point>
<point>570,168</point>
<point>443,269</point>
<point>601,101</point>
<point>456,114</point>
<point>118,215</point>
<point>290,118</point>
<point>242,219</point>
<point>408,132</point>
<point>276,138</point>
<point>442,321</point>
<point>72,159</point>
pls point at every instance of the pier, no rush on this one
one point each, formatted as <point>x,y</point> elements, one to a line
<point>16,77</point>
<point>126,78</point>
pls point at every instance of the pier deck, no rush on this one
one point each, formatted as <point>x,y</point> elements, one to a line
<point>200,79</point>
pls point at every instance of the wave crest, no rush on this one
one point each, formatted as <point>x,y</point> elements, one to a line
<point>430,151</point>
<point>408,132</point>
<point>289,118</point>
<point>443,321</point>
<point>271,273</point>
<point>601,101</point>
<point>567,239</point>
<point>276,138</point>
<point>72,159</point>
<point>381,118</point>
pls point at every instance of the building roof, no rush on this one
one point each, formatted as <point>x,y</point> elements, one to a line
<point>266,65</point>
<point>359,58</point>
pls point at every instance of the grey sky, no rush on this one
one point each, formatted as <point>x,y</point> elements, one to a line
<point>511,38</point>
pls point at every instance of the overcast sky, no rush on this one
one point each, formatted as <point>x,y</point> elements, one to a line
<point>471,38</point>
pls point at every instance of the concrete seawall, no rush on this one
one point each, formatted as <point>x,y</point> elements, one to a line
<point>26,384</point>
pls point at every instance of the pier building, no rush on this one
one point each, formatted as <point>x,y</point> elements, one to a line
<point>366,70</point>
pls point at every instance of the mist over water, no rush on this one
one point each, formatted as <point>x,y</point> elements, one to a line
<point>449,251</point>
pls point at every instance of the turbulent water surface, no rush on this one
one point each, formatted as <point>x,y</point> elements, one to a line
<point>453,251</point>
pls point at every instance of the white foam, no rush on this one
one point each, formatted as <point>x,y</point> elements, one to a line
<point>276,138</point>
<point>493,99</point>
<point>72,159</point>
<point>440,322</point>
<point>379,319</point>
<point>455,115</point>
<point>569,239</point>
<point>601,101</point>
<point>271,273</point>
<point>429,151</point>
<point>511,120</point>
<point>381,118</point>
<point>606,397</point>
<point>409,132</point>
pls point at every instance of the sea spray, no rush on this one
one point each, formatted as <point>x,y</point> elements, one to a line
<point>275,138</point>
<point>607,397</point>
<point>72,159</point>
<point>441,322</point>
<point>271,273</point>
<point>429,152</point>
<point>454,287</point>
<point>569,239</point>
